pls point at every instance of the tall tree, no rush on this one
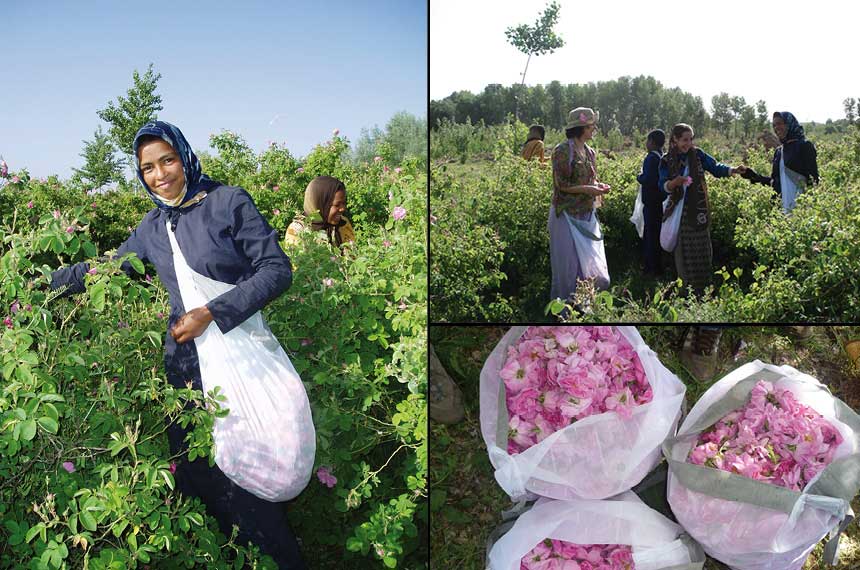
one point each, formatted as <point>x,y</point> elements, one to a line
<point>761,115</point>
<point>132,112</point>
<point>722,111</point>
<point>849,109</point>
<point>737,105</point>
<point>748,120</point>
<point>536,40</point>
<point>101,166</point>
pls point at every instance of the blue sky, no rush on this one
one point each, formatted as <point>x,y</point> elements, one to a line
<point>288,71</point>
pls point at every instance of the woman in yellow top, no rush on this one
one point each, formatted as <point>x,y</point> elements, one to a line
<point>534,144</point>
<point>325,203</point>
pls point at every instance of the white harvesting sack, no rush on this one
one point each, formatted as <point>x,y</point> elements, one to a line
<point>266,444</point>
<point>596,457</point>
<point>638,216</point>
<point>752,524</point>
<point>656,542</point>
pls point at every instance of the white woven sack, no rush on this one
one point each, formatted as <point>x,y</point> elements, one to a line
<point>267,442</point>
<point>594,458</point>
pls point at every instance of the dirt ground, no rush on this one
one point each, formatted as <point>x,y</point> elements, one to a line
<point>465,500</point>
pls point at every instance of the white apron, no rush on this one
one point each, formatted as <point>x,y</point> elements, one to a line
<point>267,442</point>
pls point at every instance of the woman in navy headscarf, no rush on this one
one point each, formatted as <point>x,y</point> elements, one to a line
<point>222,236</point>
<point>795,166</point>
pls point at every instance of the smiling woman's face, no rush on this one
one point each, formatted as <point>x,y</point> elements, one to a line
<point>779,126</point>
<point>338,207</point>
<point>684,142</point>
<point>161,168</point>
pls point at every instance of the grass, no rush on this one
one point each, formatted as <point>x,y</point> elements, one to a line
<point>465,500</point>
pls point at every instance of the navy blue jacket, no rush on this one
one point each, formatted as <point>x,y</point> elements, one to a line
<point>652,194</point>
<point>223,237</point>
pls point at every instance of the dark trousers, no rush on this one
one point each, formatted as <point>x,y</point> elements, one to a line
<point>262,522</point>
<point>651,252</point>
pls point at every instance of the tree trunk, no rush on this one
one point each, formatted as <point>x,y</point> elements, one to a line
<point>522,83</point>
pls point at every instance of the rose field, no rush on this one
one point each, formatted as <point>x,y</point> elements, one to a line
<point>85,472</point>
<point>490,245</point>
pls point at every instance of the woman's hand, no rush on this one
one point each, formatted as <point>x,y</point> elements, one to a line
<point>191,325</point>
<point>738,170</point>
<point>677,182</point>
<point>597,189</point>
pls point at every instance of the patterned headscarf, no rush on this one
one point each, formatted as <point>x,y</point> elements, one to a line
<point>195,180</point>
<point>319,196</point>
<point>793,130</point>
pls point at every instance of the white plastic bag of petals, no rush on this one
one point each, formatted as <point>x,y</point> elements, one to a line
<point>753,525</point>
<point>593,458</point>
<point>656,542</point>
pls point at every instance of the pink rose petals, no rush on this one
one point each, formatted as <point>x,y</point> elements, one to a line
<point>555,376</point>
<point>561,555</point>
<point>773,438</point>
<point>326,478</point>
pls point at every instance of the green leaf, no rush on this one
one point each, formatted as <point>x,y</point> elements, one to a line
<point>389,562</point>
<point>353,544</point>
<point>89,249</point>
<point>154,338</point>
<point>33,532</point>
<point>97,296</point>
<point>48,424</point>
<point>137,264</point>
<point>28,430</point>
<point>88,521</point>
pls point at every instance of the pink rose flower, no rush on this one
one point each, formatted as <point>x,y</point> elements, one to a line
<point>15,180</point>
<point>335,132</point>
<point>276,212</point>
<point>326,478</point>
<point>328,281</point>
<point>172,467</point>
<point>70,230</point>
<point>300,170</point>
<point>377,158</point>
<point>399,213</point>
<point>276,188</point>
<point>8,322</point>
<point>56,214</point>
<point>386,243</point>
<point>93,271</point>
<point>30,205</point>
<point>69,466</point>
<point>398,170</point>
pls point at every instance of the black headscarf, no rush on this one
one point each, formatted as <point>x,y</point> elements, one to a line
<point>798,153</point>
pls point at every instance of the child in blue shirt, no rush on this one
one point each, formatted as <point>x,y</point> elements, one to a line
<point>652,199</point>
